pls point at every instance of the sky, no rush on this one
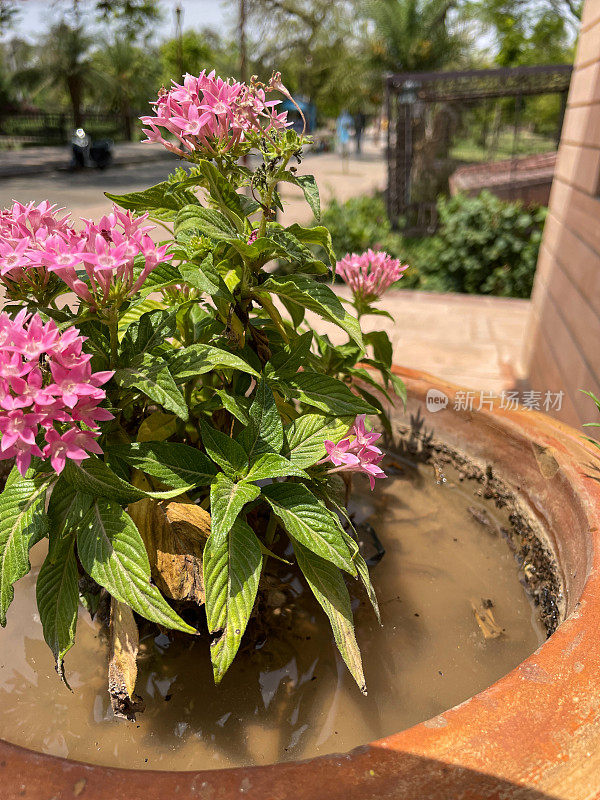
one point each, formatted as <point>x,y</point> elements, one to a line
<point>37,14</point>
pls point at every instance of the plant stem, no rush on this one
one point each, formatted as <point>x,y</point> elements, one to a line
<point>268,197</point>
<point>113,327</point>
<point>271,528</point>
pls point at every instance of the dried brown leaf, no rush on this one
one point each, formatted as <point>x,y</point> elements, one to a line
<point>174,533</point>
<point>122,667</point>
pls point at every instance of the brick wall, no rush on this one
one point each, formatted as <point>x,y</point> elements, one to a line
<point>562,349</point>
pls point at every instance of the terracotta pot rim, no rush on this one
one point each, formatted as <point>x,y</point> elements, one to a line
<point>484,744</point>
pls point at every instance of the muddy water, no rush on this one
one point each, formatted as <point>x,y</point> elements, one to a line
<point>290,696</point>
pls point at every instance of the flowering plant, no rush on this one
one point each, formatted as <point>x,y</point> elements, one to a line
<point>175,421</point>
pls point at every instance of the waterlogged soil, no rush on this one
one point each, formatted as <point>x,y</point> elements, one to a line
<point>288,695</point>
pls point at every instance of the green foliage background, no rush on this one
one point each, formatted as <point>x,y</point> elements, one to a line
<point>484,245</point>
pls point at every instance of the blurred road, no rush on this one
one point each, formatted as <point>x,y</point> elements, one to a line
<point>82,192</point>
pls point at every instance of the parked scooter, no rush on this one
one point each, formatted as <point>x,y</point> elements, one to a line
<point>86,153</point>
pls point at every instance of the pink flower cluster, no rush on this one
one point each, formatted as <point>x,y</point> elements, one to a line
<point>47,390</point>
<point>35,242</point>
<point>369,274</point>
<point>23,233</point>
<point>357,454</point>
<point>209,113</point>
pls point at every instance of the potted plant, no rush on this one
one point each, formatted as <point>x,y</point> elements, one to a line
<point>180,382</point>
<point>177,389</point>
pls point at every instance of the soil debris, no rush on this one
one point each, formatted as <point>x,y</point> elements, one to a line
<point>481,515</point>
<point>482,609</point>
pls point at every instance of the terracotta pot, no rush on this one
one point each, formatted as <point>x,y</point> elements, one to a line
<point>533,734</point>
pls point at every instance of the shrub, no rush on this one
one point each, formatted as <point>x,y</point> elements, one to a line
<point>362,223</point>
<point>484,245</point>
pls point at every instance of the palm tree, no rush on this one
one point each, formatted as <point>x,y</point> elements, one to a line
<point>66,64</point>
<point>127,77</point>
<point>413,35</point>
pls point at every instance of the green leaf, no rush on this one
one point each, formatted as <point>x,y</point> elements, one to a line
<point>150,375</point>
<point>231,568</point>
<point>295,311</point>
<point>382,347</point>
<point>317,297</point>
<point>95,477</point>
<point>57,595</point>
<point>399,386</point>
<point>161,201</point>
<point>112,552</point>
<point>199,359</point>
<point>163,274</point>
<point>309,522</point>
<point>157,427</point>
<point>224,451</point>
<point>222,193</point>
<point>273,465</point>
<point>374,402</point>
<point>328,394</point>
<point>264,434</point>
<point>360,563</point>
<point>308,184</point>
<point>318,235</point>
<point>227,498</point>
<point>378,312</point>
<point>67,507</point>
<point>307,434</point>
<point>196,219</point>
<point>365,579</point>
<point>174,464</point>
<point>206,278</point>
<point>328,586</point>
<point>260,251</point>
<point>149,331</point>
<point>135,311</point>
<point>23,522</point>
<point>97,342</point>
<point>289,359</point>
<point>367,376</point>
<point>237,405</point>
<point>292,247</point>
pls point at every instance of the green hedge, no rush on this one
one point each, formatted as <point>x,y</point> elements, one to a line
<point>484,245</point>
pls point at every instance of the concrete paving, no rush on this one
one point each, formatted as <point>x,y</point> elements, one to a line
<point>470,340</point>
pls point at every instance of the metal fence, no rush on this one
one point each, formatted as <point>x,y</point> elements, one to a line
<point>41,128</point>
<point>440,123</point>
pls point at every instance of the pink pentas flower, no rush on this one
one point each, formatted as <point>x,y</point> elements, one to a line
<point>59,447</point>
<point>340,454</point>
<point>370,273</point>
<point>47,392</point>
<point>211,114</point>
<point>105,262</point>
<point>364,437</point>
<point>22,454</point>
<point>356,452</point>
<point>18,426</point>
<point>24,231</point>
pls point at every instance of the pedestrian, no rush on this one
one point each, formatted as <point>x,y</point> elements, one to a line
<point>360,121</point>
<point>343,129</point>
